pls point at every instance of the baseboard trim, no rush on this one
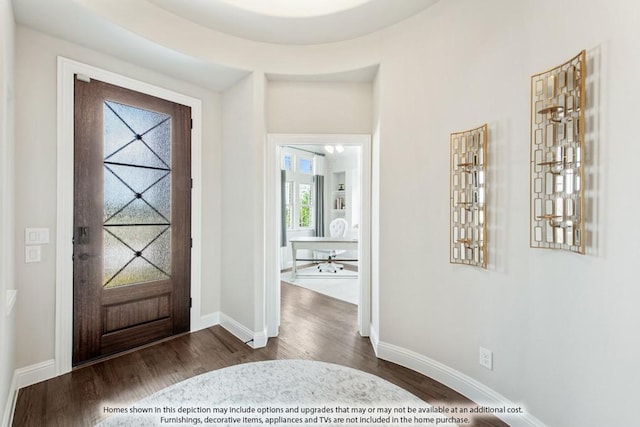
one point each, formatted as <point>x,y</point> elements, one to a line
<point>207,321</point>
<point>35,373</point>
<point>237,329</point>
<point>10,407</point>
<point>256,339</point>
<point>24,377</point>
<point>458,381</point>
<point>246,335</point>
<point>374,338</point>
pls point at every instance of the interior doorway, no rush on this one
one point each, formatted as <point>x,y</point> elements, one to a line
<point>346,174</point>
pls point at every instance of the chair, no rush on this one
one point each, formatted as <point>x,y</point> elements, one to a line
<point>337,228</point>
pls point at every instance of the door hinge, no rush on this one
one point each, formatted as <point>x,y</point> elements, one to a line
<point>191,123</point>
<point>190,302</point>
<point>191,182</point>
<point>191,242</point>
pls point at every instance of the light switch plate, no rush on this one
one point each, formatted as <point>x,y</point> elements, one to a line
<point>32,254</point>
<point>36,236</point>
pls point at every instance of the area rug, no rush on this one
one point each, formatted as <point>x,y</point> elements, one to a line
<point>279,392</point>
<point>341,287</point>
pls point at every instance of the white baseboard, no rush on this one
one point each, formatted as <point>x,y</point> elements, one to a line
<point>374,338</point>
<point>10,407</point>
<point>207,321</point>
<point>25,377</point>
<point>253,339</point>
<point>458,381</point>
<point>246,335</point>
<point>35,373</point>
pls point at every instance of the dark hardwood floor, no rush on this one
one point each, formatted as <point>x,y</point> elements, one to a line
<point>313,327</point>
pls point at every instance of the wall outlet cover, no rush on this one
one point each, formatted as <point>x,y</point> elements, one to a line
<point>486,358</point>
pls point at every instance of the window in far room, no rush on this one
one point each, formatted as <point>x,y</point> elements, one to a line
<point>299,190</point>
<point>286,162</point>
<point>305,165</point>
<point>304,205</point>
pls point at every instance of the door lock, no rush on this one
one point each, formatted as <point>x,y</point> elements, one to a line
<point>83,235</point>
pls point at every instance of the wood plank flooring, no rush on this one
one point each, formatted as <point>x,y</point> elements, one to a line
<point>314,327</point>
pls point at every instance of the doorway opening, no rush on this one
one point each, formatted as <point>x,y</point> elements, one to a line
<point>319,220</point>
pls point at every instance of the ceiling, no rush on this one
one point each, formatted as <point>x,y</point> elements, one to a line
<point>295,21</point>
<point>291,22</point>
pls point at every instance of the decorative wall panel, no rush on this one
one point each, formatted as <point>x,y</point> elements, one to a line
<point>557,150</point>
<point>468,197</point>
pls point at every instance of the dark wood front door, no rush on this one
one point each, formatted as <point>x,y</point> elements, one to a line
<point>132,220</point>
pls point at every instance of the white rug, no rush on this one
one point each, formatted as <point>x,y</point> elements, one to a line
<point>279,392</point>
<point>343,288</point>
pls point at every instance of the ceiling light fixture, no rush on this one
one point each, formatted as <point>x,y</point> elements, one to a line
<point>295,8</point>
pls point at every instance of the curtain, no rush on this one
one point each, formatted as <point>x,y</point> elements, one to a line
<point>283,208</point>
<point>318,182</point>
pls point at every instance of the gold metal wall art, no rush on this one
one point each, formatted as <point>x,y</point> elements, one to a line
<point>557,151</point>
<point>468,215</point>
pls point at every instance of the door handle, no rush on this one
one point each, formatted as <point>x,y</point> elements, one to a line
<point>83,257</point>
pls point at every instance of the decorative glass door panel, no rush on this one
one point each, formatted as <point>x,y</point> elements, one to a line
<point>137,195</point>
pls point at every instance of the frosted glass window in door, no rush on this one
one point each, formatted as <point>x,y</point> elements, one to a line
<point>137,195</point>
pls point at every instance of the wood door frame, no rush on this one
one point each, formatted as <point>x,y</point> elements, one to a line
<point>64,249</point>
<point>366,314</point>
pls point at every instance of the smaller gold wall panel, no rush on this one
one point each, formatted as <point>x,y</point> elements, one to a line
<point>557,151</point>
<point>468,215</point>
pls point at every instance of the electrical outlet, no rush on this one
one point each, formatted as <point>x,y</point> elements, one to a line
<point>486,358</point>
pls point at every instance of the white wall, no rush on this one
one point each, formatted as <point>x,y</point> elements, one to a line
<point>35,181</point>
<point>7,281</point>
<point>242,203</point>
<point>559,324</point>
<point>318,107</point>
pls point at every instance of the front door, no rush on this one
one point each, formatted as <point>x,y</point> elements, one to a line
<point>132,219</point>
